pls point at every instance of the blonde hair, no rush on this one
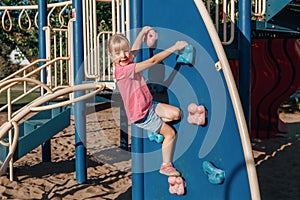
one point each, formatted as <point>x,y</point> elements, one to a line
<point>118,42</point>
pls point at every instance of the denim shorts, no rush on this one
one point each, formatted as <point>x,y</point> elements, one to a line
<point>151,121</point>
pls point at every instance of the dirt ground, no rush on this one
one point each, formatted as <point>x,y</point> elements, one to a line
<point>109,169</point>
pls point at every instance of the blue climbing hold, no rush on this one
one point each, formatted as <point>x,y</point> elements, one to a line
<point>158,138</point>
<point>186,56</point>
<point>215,175</point>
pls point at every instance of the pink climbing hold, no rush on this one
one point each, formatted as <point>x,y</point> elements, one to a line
<point>177,185</point>
<point>151,38</point>
<point>197,114</point>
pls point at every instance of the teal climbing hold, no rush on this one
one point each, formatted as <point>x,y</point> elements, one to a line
<point>215,175</point>
<point>186,56</point>
<point>158,138</point>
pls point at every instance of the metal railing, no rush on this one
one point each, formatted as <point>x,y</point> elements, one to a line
<point>24,18</point>
<point>57,46</point>
<point>56,67</point>
<point>258,8</point>
<point>105,70</point>
<point>97,64</point>
<point>26,88</point>
<point>226,17</point>
<point>10,129</point>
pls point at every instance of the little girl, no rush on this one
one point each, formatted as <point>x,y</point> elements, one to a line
<point>139,106</point>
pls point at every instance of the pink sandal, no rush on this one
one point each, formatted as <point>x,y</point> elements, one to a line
<point>168,170</point>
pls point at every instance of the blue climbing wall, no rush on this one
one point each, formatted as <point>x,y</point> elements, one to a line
<point>218,141</point>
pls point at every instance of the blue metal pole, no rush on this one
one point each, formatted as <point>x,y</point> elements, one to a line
<point>137,163</point>
<point>137,133</point>
<point>79,108</point>
<point>123,128</point>
<point>42,22</point>
<point>244,25</point>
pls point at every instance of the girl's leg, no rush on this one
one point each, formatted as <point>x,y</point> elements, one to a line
<point>167,112</point>
<point>169,142</point>
<point>168,150</point>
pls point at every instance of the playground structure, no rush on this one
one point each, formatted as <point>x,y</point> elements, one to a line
<point>56,76</point>
<point>135,14</point>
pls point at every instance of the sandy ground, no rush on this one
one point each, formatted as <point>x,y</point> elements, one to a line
<point>109,167</point>
<point>277,162</point>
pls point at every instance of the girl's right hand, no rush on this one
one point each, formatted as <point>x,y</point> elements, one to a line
<point>146,29</point>
<point>180,45</point>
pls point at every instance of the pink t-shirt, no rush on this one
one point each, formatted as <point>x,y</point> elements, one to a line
<point>134,91</point>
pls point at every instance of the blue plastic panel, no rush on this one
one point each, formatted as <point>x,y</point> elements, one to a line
<point>217,142</point>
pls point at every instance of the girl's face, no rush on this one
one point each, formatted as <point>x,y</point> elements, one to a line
<point>120,52</point>
<point>121,57</point>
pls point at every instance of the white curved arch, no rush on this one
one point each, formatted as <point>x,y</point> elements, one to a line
<point>243,130</point>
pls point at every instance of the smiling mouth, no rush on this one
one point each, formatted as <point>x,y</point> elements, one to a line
<point>124,59</point>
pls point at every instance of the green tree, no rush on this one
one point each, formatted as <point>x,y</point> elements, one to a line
<point>27,40</point>
<point>104,16</point>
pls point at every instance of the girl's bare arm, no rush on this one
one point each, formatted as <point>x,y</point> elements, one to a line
<point>160,56</point>
<point>139,40</point>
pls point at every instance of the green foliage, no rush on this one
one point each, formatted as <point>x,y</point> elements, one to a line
<point>104,16</point>
<point>27,40</point>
